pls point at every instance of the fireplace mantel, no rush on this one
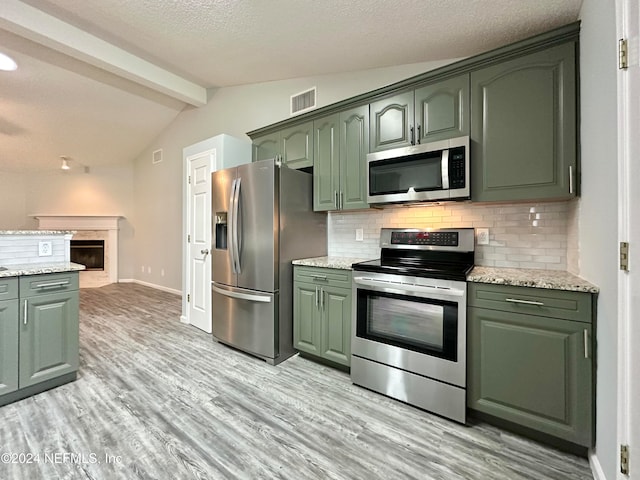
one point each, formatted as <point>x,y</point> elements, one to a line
<point>77,222</point>
<point>88,223</point>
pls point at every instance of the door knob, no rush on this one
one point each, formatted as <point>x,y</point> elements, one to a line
<point>205,251</point>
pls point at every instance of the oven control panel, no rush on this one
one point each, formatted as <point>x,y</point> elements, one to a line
<point>433,238</point>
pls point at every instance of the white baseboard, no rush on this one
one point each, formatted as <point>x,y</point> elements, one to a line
<point>596,468</point>
<point>152,285</point>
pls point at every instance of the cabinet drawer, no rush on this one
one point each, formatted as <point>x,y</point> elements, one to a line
<point>8,288</point>
<point>48,283</point>
<point>323,276</point>
<point>561,304</point>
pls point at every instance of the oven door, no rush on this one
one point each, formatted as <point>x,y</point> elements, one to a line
<point>414,324</point>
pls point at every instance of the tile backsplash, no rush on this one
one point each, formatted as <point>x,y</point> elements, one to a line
<point>524,235</point>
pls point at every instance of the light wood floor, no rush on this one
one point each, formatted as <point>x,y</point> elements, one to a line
<point>156,399</point>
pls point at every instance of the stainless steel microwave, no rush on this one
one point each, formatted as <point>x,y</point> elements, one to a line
<point>426,172</point>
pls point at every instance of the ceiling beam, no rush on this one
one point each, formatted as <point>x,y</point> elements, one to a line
<point>40,27</point>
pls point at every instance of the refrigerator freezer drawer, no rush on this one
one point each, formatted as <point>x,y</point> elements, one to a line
<point>246,319</point>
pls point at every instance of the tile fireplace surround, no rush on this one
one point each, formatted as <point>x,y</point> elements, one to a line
<point>90,227</point>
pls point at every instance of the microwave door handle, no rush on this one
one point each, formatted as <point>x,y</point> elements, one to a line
<point>445,169</point>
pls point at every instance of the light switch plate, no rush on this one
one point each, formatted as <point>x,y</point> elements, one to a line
<point>359,234</point>
<point>45,248</point>
<point>482,236</point>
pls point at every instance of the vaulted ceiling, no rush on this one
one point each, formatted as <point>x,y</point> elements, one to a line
<point>98,80</point>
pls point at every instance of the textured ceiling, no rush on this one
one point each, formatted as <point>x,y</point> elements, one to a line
<point>55,105</point>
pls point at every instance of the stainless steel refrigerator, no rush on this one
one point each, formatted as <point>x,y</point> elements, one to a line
<point>263,219</point>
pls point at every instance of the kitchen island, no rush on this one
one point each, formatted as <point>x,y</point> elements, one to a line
<point>39,310</point>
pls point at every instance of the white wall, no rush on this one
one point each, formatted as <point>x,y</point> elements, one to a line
<point>102,191</point>
<point>598,208</point>
<point>233,110</point>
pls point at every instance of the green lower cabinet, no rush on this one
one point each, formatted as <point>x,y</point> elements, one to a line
<point>336,324</point>
<point>8,346</point>
<point>307,330</point>
<point>38,334</point>
<point>322,314</point>
<point>533,371</point>
<point>48,337</point>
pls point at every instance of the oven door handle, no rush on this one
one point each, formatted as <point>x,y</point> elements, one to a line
<point>409,287</point>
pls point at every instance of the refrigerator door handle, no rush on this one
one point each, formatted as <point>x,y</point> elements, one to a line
<point>242,296</point>
<point>230,234</point>
<point>236,226</point>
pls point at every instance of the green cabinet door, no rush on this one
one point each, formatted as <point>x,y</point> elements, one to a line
<point>48,337</point>
<point>306,318</point>
<point>523,127</point>
<point>266,147</point>
<point>391,122</point>
<point>8,346</point>
<point>354,146</point>
<point>442,109</point>
<point>336,324</point>
<point>297,146</point>
<point>326,165</point>
<point>533,371</point>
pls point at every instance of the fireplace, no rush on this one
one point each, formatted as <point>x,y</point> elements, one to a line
<point>89,253</point>
<point>93,229</point>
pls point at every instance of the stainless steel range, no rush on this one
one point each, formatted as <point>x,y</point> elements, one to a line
<point>409,310</point>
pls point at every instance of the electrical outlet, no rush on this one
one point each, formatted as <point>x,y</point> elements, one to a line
<point>162,272</point>
<point>142,268</point>
<point>148,269</point>
<point>359,234</point>
<point>44,248</point>
<point>482,236</point>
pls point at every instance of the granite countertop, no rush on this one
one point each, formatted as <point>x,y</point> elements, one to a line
<point>527,277</point>
<point>341,263</point>
<point>37,232</point>
<point>39,268</point>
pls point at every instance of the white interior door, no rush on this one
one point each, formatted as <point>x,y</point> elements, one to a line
<point>199,240</point>
<point>628,19</point>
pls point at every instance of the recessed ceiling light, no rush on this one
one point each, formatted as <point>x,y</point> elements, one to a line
<point>7,63</point>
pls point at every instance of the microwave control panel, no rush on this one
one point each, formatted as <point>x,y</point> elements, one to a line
<point>456,167</point>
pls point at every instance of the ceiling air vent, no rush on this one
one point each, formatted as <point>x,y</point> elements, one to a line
<point>303,101</point>
<point>156,157</point>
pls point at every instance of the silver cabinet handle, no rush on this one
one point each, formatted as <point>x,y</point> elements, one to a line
<point>52,284</point>
<point>335,198</point>
<point>26,312</point>
<point>205,251</point>
<point>585,337</point>
<point>571,179</point>
<point>525,302</point>
<point>317,276</point>
<point>321,299</point>
<point>418,137</point>
<point>316,297</point>
<point>341,200</point>
<point>413,142</point>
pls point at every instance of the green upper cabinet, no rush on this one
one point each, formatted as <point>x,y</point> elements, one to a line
<point>442,109</point>
<point>266,147</point>
<point>391,122</point>
<point>340,148</point>
<point>435,111</point>
<point>297,146</point>
<point>293,146</point>
<point>354,146</point>
<point>523,127</point>
<point>326,168</point>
